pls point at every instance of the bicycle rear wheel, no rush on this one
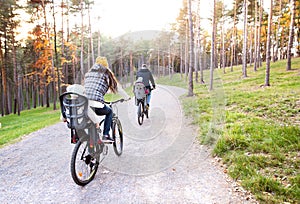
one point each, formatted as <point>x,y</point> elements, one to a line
<point>117,134</point>
<point>140,113</point>
<point>147,112</point>
<point>84,162</point>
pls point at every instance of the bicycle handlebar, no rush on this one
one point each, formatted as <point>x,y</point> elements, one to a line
<point>117,101</point>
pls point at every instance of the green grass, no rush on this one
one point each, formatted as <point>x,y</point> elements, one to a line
<point>14,126</point>
<point>255,129</point>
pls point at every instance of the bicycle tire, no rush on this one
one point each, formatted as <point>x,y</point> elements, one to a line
<point>147,112</point>
<point>140,113</point>
<point>117,134</point>
<point>84,165</point>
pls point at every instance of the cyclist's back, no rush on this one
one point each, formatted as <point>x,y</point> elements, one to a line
<point>145,73</point>
<point>147,76</point>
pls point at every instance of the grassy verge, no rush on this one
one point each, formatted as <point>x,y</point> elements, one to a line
<point>255,129</point>
<point>14,126</point>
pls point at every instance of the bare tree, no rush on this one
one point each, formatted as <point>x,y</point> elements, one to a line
<point>82,71</point>
<point>255,36</point>
<point>91,36</point>
<point>268,57</point>
<point>233,37</point>
<point>223,37</point>
<point>190,89</point>
<point>198,54</point>
<point>259,64</point>
<point>16,84</point>
<point>275,57</point>
<point>245,41</point>
<point>54,62</point>
<point>212,57</point>
<point>186,49</point>
<point>197,46</point>
<point>291,35</point>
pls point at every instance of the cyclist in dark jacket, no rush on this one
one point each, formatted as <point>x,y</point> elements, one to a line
<point>147,76</point>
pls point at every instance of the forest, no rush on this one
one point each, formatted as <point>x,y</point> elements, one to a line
<point>36,68</point>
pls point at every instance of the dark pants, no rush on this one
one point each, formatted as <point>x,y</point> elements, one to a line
<point>108,117</point>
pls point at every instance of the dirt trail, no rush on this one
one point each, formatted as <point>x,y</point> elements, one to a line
<point>162,163</point>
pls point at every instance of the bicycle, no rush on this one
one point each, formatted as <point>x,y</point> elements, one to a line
<point>142,110</point>
<point>89,150</point>
<point>141,93</point>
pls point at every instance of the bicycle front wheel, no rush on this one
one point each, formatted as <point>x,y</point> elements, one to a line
<point>140,113</point>
<point>84,162</point>
<point>117,134</point>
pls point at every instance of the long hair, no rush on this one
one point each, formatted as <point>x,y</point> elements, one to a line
<point>113,83</point>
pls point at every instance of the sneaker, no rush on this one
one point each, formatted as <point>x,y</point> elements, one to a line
<point>107,139</point>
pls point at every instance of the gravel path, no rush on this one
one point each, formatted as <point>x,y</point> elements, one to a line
<point>162,163</point>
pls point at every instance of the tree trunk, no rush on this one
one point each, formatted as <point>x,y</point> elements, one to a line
<point>5,110</point>
<point>169,62</point>
<point>251,46</point>
<point>233,37</point>
<point>197,50</point>
<point>82,71</point>
<point>268,55</point>
<point>186,50</point>
<point>91,36</point>
<point>64,65</point>
<point>35,91</point>
<point>190,89</point>
<point>27,86</point>
<point>223,39</point>
<point>54,62</point>
<point>245,41</point>
<point>212,59</point>
<point>158,69</point>
<point>277,33</point>
<point>255,37</point>
<point>45,94</point>
<point>259,33</point>
<point>16,94</point>
<point>291,36</point>
<point>181,62</point>
<point>131,69</point>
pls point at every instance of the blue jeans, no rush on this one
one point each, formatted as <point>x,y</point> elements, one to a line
<point>108,117</point>
<point>148,95</point>
<point>149,98</point>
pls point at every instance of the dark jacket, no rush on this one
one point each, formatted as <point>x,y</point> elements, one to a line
<point>147,77</point>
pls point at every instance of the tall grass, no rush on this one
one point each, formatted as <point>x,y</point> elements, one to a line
<point>255,129</point>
